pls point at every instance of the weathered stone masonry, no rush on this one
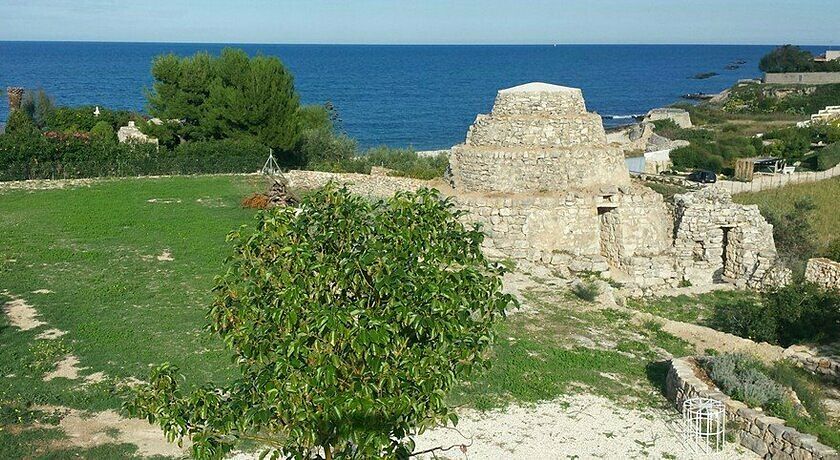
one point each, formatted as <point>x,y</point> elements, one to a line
<point>823,272</point>
<point>538,174</point>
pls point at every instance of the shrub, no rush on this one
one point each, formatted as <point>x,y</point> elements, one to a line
<point>350,320</point>
<point>746,318</point>
<point>791,142</point>
<point>798,313</point>
<point>19,124</point>
<point>804,312</point>
<point>103,132</point>
<point>741,377</point>
<point>83,119</point>
<point>35,156</point>
<point>696,157</point>
<point>322,150</point>
<point>832,251</point>
<point>828,157</point>
<point>586,290</point>
<point>795,237</point>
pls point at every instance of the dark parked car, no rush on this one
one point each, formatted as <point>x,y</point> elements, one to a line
<point>703,177</point>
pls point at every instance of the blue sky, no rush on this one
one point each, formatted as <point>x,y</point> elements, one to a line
<point>425,21</point>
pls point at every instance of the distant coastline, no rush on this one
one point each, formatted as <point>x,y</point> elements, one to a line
<point>423,96</point>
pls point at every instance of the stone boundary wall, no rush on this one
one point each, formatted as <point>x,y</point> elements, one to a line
<point>823,272</point>
<point>802,78</point>
<point>760,183</point>
<point>363,184</point>
<point>767,436</point>
<point>821,360</point>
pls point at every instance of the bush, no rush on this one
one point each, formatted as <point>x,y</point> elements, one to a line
<point>804,312</point>
<point>828,157</point>
<point>795,237</point>
<point>103,132</point>
<point>833,250</point>
<point>586,290</point>
<point>799,313</point>
<point>746,318</point>
<point>83,119</point>
<point>791,143</point>
<point>741,377</point>
<point>322,150</point>
<point>350,320</point>
<point>20,125</point>
<point>696,157</point>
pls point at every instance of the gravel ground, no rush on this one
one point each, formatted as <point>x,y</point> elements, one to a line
<point>580,426</point>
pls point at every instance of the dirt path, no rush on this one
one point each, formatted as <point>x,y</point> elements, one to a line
<point>704,338</point>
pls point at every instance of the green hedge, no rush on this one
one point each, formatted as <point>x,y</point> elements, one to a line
<point>40,157</point>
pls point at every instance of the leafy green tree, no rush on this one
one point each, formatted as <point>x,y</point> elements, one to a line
<point>228,96</point>
<point>350,320</point>
<point>790,58</point>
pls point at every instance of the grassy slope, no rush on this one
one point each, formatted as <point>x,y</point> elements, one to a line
<point>124,310</point>
<point>826,195</point>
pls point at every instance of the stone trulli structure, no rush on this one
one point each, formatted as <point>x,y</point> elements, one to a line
<point>540,177</point>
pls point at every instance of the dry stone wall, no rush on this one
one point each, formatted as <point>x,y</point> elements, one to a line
<point>767,436</point>
<point>823,272</point>
<point>718,240</point>
<point>489,169</point>
<point>538,138</point>
<point>819,359</point>
<point>362,184</point>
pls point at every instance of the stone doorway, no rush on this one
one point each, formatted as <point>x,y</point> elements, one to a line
<point>609,229</point>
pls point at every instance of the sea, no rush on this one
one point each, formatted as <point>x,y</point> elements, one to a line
<point>420,96</point>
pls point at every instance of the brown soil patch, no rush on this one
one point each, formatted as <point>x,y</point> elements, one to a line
<point>87,430</point>
<point>50,334</point>
<point>22,315</point>
<point>66,368</point>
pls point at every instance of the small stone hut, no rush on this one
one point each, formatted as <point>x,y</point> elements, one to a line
<point>539,175</point>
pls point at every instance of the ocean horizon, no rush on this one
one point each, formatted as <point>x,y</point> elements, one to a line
<point>421,96</point>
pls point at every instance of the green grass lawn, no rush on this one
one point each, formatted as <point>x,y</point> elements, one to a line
<point>825,194</point>
<point>96,249</point>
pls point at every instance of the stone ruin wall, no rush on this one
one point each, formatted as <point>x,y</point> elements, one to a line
<point>717,240</point>
<point>538,174</point>
<point>537,138</point>
<point>823,272</point>
<point>496,170</point>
